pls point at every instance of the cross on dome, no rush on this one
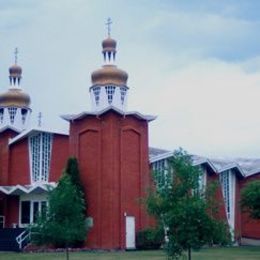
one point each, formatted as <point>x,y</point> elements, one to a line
<point>108,24</point>
<point>16,55</point>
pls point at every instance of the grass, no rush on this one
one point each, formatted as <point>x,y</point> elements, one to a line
<point>234,253</point>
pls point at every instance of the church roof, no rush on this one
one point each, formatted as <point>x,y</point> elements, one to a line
<point>99,113</point>
<point>30,131</point>
<point>245,166</point>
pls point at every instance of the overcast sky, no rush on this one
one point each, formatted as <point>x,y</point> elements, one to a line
<point>195,64</point>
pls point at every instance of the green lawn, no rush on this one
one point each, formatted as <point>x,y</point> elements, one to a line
<point>237,253</point>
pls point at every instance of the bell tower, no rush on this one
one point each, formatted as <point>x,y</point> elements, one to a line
<point>111,145</point>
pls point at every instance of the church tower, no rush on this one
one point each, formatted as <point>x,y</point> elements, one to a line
<point>109,83</point>
<point>15,104</point>
<point>111,145</point>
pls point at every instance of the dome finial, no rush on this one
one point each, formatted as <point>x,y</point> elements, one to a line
<point>109,44</point>
<point>108,24</point>
<point>16,55</point>
<point>15,71</point>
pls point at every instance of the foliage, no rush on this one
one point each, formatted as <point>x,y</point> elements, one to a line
<point>184,209</point>
<point>72,170</point>
<point>63,225</point>
<point>150,238</point>
<point>250,199</point>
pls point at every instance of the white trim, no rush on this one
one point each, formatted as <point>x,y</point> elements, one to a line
<point>27,189</point>
<point>35,130</point>
<point>101,112</point>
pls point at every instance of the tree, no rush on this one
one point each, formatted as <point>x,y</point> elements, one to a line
<point>72,170</point>
<point>63,225</point>
<point>182,207</point>
<point>250,199</point>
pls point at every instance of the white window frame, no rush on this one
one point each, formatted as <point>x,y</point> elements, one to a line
<point>228,192</point>
<point>32,198</point>
<point>40,156</point>
<point>160,167</point>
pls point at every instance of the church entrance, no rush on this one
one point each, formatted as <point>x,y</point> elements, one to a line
<point>130,232</point>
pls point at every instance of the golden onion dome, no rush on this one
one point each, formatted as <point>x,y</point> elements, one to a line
<point>109,74</point>
<point>109,45</point>
<point>15,70</point>
<point>15,97</point>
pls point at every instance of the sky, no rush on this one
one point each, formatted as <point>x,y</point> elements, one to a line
<point>194,64</point>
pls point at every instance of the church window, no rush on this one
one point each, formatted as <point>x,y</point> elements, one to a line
<point>24,113</point>
<point>31,210</point>
<point>110,90</point>
<point>1,115</point>
<point>161,173</point>
<point>123,94</point>
<point>40,154</point>
<point>225,180</point>
<point>96,91</point>
<point>12,112</point>
<point>25,212</point>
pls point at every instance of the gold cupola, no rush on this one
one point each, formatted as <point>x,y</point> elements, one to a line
<point>15,96</point>
<point>109,73</point>
<point>109,83</point>
<point>15,103</point>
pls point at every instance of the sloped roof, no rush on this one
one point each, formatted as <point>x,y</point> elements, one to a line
<point>245,166</point>
<point>30,131</point>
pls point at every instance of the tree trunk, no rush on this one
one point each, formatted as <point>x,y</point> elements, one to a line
<point>67,253</point>
<point>189,253</point>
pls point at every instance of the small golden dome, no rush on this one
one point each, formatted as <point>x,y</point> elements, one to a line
<point>109,74</point>
<point>15,70</point>
<point>15,97</point>
<point>109,45</point>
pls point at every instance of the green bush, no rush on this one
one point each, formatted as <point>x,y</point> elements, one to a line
<point>149,238</point>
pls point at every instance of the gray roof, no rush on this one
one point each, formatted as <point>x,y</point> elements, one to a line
<point>246,166</point>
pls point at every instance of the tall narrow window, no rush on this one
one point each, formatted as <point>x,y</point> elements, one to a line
<point>12,112</point>
<point>161,173</point>
<point>25,212</point>
<point>24,114</point>
<point>225,180</point>
<point>40,154</point>
<point>96,91</point>
<point>1,115</point>
<point>110,90</point>
<point>123,94</point>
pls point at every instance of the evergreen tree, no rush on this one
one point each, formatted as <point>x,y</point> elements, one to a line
<point>63,225</point>
<point>182,207</point>
<point>72,170</point>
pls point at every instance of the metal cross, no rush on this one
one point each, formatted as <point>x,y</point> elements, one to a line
<point>108,24</point>
<point>40,119</point>
<point>15,55</point>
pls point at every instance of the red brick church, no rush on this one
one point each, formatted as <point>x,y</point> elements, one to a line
<point>111,145</point>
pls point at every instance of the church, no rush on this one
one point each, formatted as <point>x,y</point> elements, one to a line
<point>115,161</point>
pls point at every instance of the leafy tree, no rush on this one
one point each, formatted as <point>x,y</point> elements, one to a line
<point>250,199</point>
<point>182,207</point>
<point>63,225</point>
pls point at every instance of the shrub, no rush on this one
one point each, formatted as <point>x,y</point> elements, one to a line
<point>149,238</point>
